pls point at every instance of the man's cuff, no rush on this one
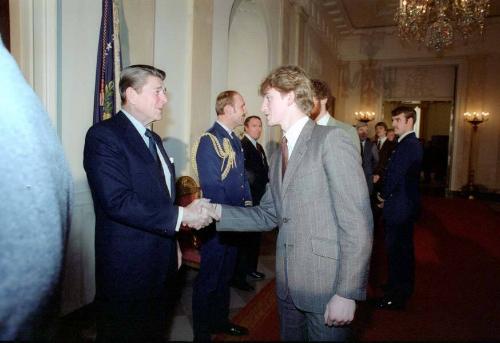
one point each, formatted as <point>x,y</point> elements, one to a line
<point>180,214</point>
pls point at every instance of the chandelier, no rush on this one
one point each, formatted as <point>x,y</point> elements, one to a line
<point>434,22</point>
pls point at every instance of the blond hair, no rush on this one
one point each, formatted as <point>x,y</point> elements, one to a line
<point>290,78</point>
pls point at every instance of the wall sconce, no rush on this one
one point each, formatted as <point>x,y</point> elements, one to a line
<point>364,116</point>
<point>474,118</point>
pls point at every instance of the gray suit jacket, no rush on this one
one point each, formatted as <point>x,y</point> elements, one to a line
<point>351,131</point>
<point>323,213</point>
<point>36,186</point>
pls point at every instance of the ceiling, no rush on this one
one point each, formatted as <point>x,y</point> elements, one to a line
<point>349,15</point>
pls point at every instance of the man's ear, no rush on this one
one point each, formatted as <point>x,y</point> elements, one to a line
<point>130,95</point>
<point>227,110</point>
<point>290,98</point>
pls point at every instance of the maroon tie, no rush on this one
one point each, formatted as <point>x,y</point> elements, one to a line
<point>284,155</point>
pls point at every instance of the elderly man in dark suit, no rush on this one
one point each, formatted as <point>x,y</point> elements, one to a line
<point>322,251</point>
<point>257,171</point>
<point>400,201</point>
<point>132,182</point>
<point>220,165</point>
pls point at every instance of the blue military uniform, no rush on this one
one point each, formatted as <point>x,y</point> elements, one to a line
<point>221,171</point>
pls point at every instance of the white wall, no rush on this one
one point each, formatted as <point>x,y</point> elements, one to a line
<point>173,45</point>
<point>77,67</point>
<point>248,56</point>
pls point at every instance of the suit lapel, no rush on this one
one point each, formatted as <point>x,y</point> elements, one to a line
<point>170,166</point>
<point>297,154</point>
<point>135,142</point>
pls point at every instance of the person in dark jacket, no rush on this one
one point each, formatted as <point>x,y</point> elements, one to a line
<point>400,201</point>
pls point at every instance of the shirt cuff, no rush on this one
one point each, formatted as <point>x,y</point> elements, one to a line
<point>179,219</point>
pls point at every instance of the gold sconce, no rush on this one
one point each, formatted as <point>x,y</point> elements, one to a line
<point>365,117</point>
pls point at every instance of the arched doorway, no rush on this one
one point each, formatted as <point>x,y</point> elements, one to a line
<point>248,55</point>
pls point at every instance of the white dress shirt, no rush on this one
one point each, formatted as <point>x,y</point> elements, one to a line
<point>293,134</point>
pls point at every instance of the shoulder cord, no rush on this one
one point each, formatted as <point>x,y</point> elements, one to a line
<point>225,152</point>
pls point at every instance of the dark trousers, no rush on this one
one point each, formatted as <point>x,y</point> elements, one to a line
<point>248,254</point>
<point>401,259</point>
<point>211,293</point>
<point>131,321</point>
<point>298,325</point>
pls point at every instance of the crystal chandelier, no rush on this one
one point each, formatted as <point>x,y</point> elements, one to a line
<point>434,22</point>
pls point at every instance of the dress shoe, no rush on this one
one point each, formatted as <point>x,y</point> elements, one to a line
<point>232,329</point>
<point>257,275</point>
<point>390,303</point>
<point>242,285</point>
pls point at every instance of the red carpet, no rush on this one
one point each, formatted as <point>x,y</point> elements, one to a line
<point>457,295</point>
<point>260,316</point>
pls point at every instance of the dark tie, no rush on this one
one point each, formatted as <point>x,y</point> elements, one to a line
<point>284,155</point>
<point>152,150</point>
<point>379,144</point>
<point>262,154</point>
<point>152,145</point>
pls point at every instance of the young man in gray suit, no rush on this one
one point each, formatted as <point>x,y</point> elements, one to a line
<point>322,251</point>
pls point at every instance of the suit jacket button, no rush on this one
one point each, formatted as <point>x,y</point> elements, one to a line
<point>285,220</point>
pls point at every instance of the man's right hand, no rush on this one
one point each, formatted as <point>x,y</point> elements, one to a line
<point>196,215</point>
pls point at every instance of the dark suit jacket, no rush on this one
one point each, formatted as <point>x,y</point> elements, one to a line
<point>384,154</point>
<point>256,168</point>
<point>369,161</point>
<point>135,248</point>
<point>400,190</point>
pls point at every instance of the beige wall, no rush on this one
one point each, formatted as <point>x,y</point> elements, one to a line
<point>477,89</point>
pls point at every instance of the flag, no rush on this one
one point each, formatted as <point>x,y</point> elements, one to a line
<point>108,66</point>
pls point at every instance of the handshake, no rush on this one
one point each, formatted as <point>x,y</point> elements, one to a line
<point>200,213</point>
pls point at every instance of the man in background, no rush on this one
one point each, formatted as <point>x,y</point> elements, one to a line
<point>400,201</point>
<point>384,148</point>
<point>37,188</point>
<point>220,165</point>
<point>325,102</point>
<point>133,187</point>
<point>391,136</point>
<point>257,171</point>
<point>369,154</point>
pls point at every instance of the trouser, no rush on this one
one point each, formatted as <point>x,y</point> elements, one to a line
<point>248,255</point>
<point>211,297</point>
<point>401,259</point>
<point>298,325</point>
<point>131,321</point>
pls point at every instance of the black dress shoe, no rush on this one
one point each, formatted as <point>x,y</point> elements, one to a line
<point>232,329</point>
<point>390,303</point>
<point>257,275</point>
<point>242,285</point>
